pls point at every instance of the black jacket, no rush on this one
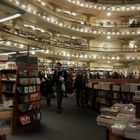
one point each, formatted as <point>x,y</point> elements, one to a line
<point>79,83</point>
<point>56,77</point>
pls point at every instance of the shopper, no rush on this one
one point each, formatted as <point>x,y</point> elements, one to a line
<point>79,85</point>
<point>46,87</point>
<point>49,86</point>
<point>59,79</point>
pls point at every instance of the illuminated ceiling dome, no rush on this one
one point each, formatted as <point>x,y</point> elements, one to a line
<point>115,1</point>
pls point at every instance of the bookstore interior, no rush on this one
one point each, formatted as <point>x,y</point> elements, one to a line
<point>100,38</point>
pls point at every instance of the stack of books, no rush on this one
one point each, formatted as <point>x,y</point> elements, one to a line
<point>136,97</point>
<point>133,129</point>
<point>127,112</point>
<point>105,120</point>
<point>107,116</point>
<point>110,111</point>
<point>119,126</point>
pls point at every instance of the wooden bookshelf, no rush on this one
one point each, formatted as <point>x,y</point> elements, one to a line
<point>26,110</point>
<point>117,91</point>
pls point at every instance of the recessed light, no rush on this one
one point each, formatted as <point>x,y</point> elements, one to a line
<point>108,37</point>
<point>109,14</point>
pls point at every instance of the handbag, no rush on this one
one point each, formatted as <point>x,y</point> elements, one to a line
<point>63,87</point>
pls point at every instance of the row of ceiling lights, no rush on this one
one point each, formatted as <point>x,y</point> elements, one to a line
<point>131,45</point>
<point>65,54</point>
<point>85,30</point>
<point>102,7</point>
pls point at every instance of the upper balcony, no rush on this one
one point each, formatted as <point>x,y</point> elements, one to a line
<point>88,29</point>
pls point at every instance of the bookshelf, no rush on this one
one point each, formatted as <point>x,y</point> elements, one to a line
<point>8,86</point>
<point>106,92</point>
<point>20,91</point>
<point>26,107</point>
<point>122,119</point>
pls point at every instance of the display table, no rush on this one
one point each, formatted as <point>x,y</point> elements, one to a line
<point>112,136</point>
<point>3,137</point>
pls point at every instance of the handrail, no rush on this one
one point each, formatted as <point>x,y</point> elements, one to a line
<point>60,44</point>
<point>77,24</point>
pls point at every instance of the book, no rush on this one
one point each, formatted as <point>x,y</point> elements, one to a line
<point>37,88</point>
<point>38,81</point>
<point>23,90</point>
<point>25,119</point>
<point>4,77</point>
<point>109,111</point>
<point>11,76</point>
<point>9,88</point>
<point>133,129</point>
<point>105,120</point>
<point>35,97</point>
<point>23,73</point>
<point>119,126</point>
<point>23,81</point>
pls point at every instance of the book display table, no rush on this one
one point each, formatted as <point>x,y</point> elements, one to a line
<point>121,122</point>
<point>3,137</point>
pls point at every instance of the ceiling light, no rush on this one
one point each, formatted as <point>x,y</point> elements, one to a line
<point>118,9</point>
<point>118,57</point>
<point>29,9</point>
<point>108,62</point>
<point>10,17</point>
<point>43,3</point>
<point>108,37</point>
<point>34,12</point>
<point>109,14</point>
<point>95,32</point>
<point>81,56</point>
<point>8,43</point>
<point>33,52</point>
<point>113,8</point>
<point>113,57</point>
<point>61,24</point>
<point>47,51</point>
<point>15,44</point>
<point>133,7</point>
<point>58,10</point>
<point>73,14</point>
<point>21,46</point>
<point>23,6</point>
<point>85,56</point>
<point>17,2</point>
<point>8,53</point>
<point>82,4</point>
<point>95,6</point>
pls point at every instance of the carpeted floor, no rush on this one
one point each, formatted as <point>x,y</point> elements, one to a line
<point>72,124</point>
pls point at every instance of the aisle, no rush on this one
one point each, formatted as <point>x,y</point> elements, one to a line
<point>72,124</point>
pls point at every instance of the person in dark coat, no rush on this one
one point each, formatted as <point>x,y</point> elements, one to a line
<point>59,78</point>
<point>46,87</point>
<point>79,85</point>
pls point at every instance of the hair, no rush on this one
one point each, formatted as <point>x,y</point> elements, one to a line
<point>58,63</point>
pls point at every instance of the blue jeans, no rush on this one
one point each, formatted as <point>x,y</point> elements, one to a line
<point>59,96</point>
